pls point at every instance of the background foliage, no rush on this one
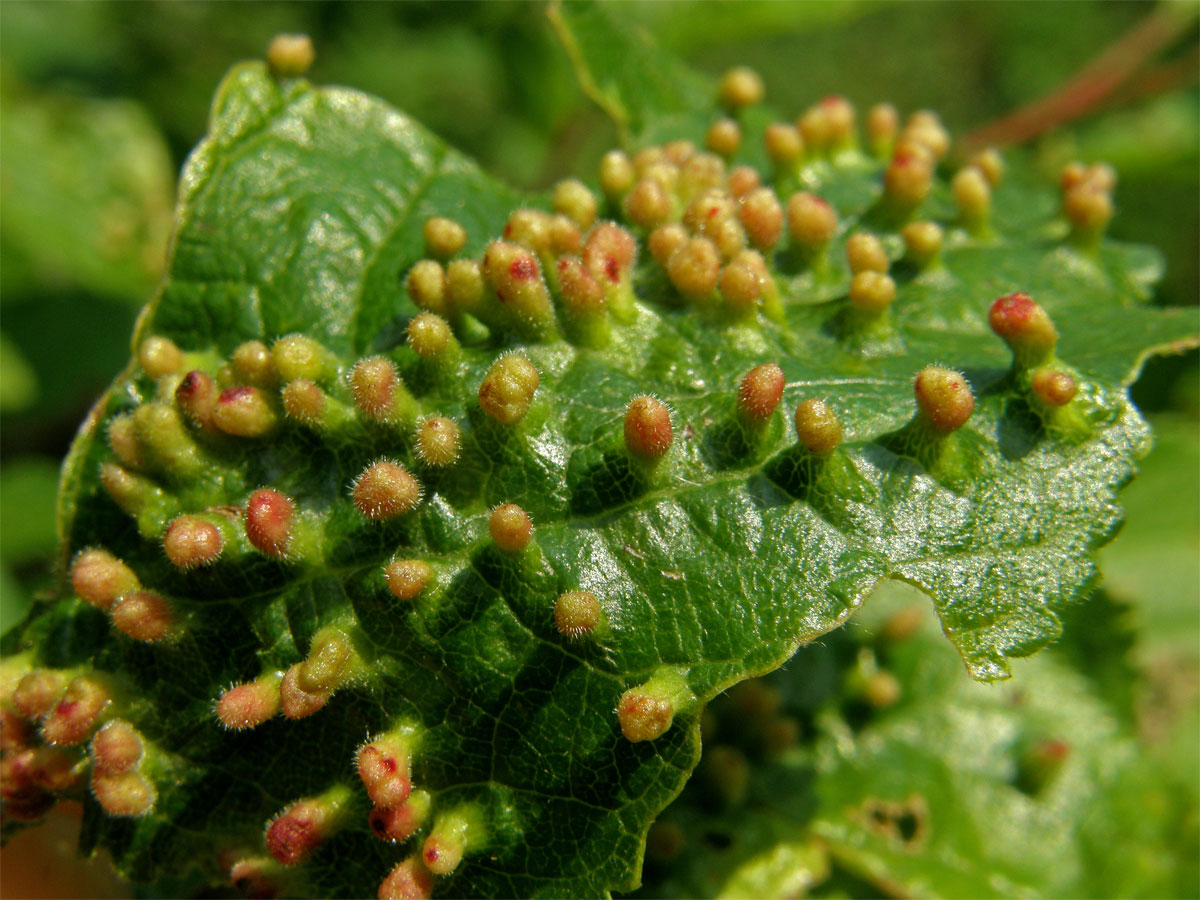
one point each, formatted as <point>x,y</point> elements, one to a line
<point>99,103</point>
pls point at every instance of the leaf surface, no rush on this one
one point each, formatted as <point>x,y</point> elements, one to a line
<point>303,212</point>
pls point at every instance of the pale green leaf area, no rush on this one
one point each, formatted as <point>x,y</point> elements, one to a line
<point>302,211</point>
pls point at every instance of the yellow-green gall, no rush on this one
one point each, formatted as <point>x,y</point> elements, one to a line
<point>665,240</point>
<point>1101,175</point>
<point>908,179</point>
<point>510,528</point>
<point>244,411</point>
<point>840,115</point>
<point>196,396</point>
<point>290,55</point>
<point>252,363</point>
<point>972,195</point>
<point>881,689</point>
<point>1088,207</point>
<point>463,285</point>
<point>565,235</point>
<point>1053,387</point>
<point>865,252</point>
<point>515,275</point>
<point>762,216</point>
<point>576,613</point>
<point>144,616</point>
<point>99,578</point>
<point>616,174</point>
<point>923,242</point>
<point>723,137</point>
<point>438,441</point>
<point>124,794</point>
<point>117,747</point>
<point>648,204</point>
<point>159,356</point>
<point>429,335</point>
<point>123,439</point>
<point>304,402</point>
<point>648,431</point>
<point>784,143</point>
<point>741,285</point>
<point>742,180</point>
<point>581,293</point>
<point>707,209</point>
<point>818,427</point>
<point>37,692</point>
<point>508,387</point>
<point>882,124</point>
<point>192,541</point>
<point>164,439</point>
<point>573,199</point>
<point>816,127</point>
<point>990,163</point>
<point>1025,326</point>
<point>741,86</point>
<point>695,267</point>
<point>426,285</point>
<point>925,127</point>
<point>443,237</point>
<point>702,172</point>
<point>759,393</point>
<point>729,237</point>
<point>872,292</point>
<point>679,151</point>
<point>386,489</point>
<point>644,717</point>
<point>408,578</point>
<point>375,386</point>
<point>327,665</point>
<point>812,221</point>
<point>944,398</point>
<point>299,356</point>
<point>530,228</point>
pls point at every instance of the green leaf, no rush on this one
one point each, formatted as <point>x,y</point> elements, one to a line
<point>303,212</point>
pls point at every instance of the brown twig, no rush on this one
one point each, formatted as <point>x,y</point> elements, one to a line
<point>1091,87</point>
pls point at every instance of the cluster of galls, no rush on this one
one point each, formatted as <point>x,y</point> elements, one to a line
<point>551,274</point>
<point>46,721</point>
<point>722,239</point>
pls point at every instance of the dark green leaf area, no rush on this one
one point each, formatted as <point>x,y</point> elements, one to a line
<point>303,213</point>
<point>870,766</point>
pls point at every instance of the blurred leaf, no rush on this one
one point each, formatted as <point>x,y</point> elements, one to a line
<point>679,27</point>
<point>74,342</point>
<point>1155,562</point>
<point>18,384</point>
<point>15,601</point>
<point>27,489</point>
<point>87,192</point>
<point>955,789</point>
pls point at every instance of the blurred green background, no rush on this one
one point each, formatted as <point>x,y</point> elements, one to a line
<point>101,101</point>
